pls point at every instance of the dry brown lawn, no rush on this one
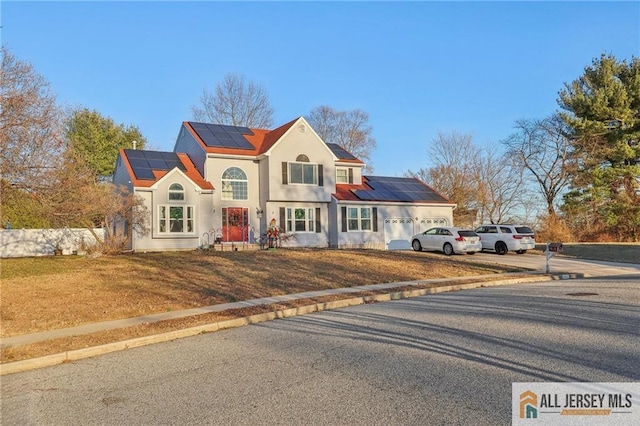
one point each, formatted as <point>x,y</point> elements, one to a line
<point>58,292</point>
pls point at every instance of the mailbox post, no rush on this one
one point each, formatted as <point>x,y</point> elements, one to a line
<point>551,250</point>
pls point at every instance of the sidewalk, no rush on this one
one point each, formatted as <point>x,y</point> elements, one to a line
<point>128,322</point>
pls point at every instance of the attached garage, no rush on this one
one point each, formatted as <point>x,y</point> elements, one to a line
<point>398,232</point>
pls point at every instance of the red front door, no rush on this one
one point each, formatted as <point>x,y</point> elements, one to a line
<point>235,224</point>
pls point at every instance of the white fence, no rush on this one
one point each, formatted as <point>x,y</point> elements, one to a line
<point>45,242</point>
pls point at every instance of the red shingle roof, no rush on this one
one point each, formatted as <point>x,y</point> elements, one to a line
<point>191,172</point>
<point>262,140</point>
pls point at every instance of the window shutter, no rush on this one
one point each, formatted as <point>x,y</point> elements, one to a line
<point>318,224</point>
<point>283,220</point>
<point>285,168</point>
<point>350,175</point>
<point>374,217</point>
<point>320,175</point>
<point>344,219</point>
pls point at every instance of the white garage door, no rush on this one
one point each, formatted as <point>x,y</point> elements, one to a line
<point>398,232</point>
<point>430,222</point>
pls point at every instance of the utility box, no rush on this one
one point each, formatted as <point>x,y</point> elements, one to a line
<point>554,247</point>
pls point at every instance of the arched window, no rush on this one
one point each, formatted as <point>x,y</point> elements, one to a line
<point>302,158</point>
<point>176,192</point>
<point>234,184</point>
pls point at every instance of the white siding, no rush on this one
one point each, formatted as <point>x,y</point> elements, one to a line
<point>412,215</point>
<point>215,168</point>
<point>202,203</point>
<point>287,150</point>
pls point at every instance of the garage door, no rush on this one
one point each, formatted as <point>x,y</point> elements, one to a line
<point>430,222</point>
<point>398,232</point>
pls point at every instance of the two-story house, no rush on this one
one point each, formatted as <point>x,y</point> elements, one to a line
<point>230,183</point>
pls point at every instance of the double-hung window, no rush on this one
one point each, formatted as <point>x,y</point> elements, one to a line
<point>303,173</point>
<point>342,175</point>
<point>359,219</point>
<point>301,219</point>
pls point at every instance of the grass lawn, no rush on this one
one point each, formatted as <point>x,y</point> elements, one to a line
<point>47,293</point>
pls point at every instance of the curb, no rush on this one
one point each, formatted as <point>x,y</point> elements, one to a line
<point>78,354</point>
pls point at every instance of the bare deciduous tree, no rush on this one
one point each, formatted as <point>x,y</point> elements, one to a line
<point>349,129</point>
<point>499,187</point>
<point>455,173</point>
<point>485,185</point>
<point>235,102</point>
<point>542,147</point>
<point>31,136</point>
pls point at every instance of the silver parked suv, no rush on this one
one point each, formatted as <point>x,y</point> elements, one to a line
<point>504,237</point>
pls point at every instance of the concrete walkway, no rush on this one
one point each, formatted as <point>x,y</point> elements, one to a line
<point>128,322</point>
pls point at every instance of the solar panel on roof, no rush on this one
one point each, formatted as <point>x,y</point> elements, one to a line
<point>132,153</point>
<point>397,189</point>
<point>156,164</point>
<point>153,155</point>
<point>138,162</point>
<point>223,136</point>
<point>144,162</point>
<point>340,152</point>
<point>143,173</point>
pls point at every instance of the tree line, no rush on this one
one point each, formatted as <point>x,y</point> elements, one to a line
<point>574,175</point>
<point>55,163</point>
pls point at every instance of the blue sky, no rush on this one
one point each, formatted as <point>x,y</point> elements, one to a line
<point>417,68</point>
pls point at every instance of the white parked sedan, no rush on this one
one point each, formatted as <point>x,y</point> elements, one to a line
<point>447,240</point>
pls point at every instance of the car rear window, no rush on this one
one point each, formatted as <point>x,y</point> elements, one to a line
<point>524,230</point>
<point>464,233</point>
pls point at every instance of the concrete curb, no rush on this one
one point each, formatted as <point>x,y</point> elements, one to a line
<point>78,354</point>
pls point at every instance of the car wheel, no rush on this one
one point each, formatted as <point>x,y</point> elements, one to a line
<point>501,248</point>
<point>521,251</point>
<point>416,245</point>
<point>447,249</point>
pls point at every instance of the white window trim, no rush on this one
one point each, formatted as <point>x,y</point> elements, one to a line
<point>360,219</point>
<point>175,191</point>
<point>224,191</point>
<point>346,177</point>
<point>315,173</point>
<point>309,220</point>
<point>185,218</point>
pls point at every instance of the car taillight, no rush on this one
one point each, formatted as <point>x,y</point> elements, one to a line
<point>518,237</point>
<point>460,239</point>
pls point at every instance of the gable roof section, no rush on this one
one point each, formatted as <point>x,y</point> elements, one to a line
<point>230,140</point>
<point>145,168</point>
<point>274,136</point>
<point>390,189</point>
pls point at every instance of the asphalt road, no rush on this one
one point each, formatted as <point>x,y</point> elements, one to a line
<point>446,359</point>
